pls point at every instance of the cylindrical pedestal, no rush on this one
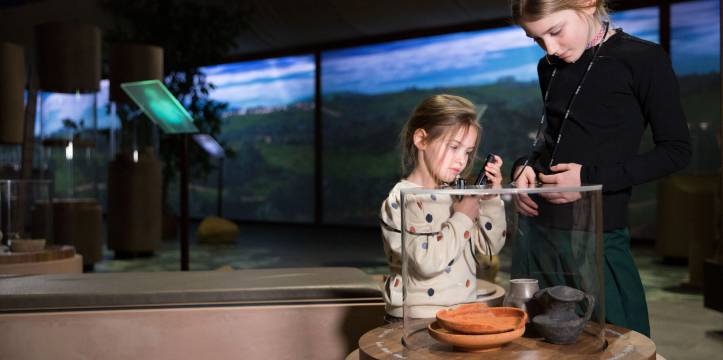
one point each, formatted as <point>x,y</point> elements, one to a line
<point>134,204</point>
<point>78,222</point>
<point>12,109</point>
<point>385,342</point>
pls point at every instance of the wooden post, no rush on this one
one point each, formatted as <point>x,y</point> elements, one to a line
<point>719,255</point>
<point>219,195</point>
<point>184,202</point>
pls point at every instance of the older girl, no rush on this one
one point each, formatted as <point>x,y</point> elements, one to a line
<point>601,88</point>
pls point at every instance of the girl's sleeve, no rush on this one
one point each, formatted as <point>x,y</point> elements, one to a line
<point>431,249</point>
<point>491,232</point>
<point>391,223</point>
<point>656,89</point>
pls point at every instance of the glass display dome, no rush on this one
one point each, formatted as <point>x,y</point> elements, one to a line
<point>553,238</point>
<point>67,130</point>
<point>24,210</point>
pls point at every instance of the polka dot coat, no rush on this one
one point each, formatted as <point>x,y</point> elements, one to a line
<point>440,245</point>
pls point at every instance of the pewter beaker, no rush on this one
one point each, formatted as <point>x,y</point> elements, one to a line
<point>520,294</point>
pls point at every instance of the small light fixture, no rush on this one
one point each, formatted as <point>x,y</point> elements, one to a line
<point>69,151</point>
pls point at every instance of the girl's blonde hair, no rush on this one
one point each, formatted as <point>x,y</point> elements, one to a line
<point>533,10</point>
<point>437,115</point>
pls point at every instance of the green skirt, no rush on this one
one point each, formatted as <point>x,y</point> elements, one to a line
<point>558,257</point>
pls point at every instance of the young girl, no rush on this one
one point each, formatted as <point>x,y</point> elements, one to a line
<point>444,235</point>
<point>601,88</point>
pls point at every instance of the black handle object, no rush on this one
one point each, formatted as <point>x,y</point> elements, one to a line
<point>458,184</point>
<point>482,176</point>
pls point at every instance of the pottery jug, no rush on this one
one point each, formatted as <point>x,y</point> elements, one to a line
<point>559,323</point>
<point>521,295</point>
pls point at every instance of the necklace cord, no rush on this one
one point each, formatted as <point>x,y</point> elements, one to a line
<point>567,111</point>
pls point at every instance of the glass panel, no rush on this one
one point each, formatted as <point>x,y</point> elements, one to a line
<point>66,129</point>
<point>556,256</point>
<point>269,125</point>
<point>695,52</point>
<point>24,210</point>
<point>643,23</point>
<point>369,91</point>
<point>373,89</point>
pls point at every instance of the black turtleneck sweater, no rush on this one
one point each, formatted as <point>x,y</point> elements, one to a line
<point>630,86</point>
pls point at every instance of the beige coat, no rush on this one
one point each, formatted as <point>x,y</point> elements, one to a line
<point>442,247</point>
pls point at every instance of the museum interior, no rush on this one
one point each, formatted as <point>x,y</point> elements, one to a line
<point>183,179</point>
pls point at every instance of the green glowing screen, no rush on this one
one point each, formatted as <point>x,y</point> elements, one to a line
<point>161,106</point>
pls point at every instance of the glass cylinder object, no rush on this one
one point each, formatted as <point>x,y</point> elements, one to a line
<point>24,210</point>
<point>68,61</point>
<point>559,249</point>
<point>131,62</point>
<point>134,171</point>
<point>10,161</point>
<point>67,131</point>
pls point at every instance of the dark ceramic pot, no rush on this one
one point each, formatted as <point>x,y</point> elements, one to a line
<point>559,323</point>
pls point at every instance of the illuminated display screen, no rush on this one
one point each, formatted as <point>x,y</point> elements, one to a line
<point>268,122</point>
<point>209,144</point>
<point>369,91</point>
<point>160,106</point>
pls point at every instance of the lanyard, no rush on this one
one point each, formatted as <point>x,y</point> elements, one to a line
<point>567,111</point>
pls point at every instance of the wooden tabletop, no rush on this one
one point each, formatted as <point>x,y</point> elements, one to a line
<point>164,289</point>
<point>622,344</point>
<point>51,252</point>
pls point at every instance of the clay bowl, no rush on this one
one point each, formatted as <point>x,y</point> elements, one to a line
<point>478,319</point>
<point>473,343</point>
<point>27,245</point>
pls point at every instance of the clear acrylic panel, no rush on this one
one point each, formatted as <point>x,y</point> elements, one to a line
<point>10,160</point>
<point>24,210</point>
<point>559,250</point>
<point>67,130</point>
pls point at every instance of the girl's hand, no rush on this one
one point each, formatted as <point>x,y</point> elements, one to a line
<point>494,171</point>
<point>567,174</point>
<point>469,205</point>
<point>525,178</point>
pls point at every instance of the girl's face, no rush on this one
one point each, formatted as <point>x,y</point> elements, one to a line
<point>446,156</point>
<point>564,34</point>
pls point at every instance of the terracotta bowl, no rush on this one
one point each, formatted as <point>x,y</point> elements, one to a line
<point>27,245</point>
<point>478,318</point>
<point>473,343</point>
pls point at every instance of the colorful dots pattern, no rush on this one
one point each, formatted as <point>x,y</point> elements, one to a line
<point>467,284</point>
<point>440,237</point>
<point>396,283</point>
<point>430,291</point>
<point>425,246</point>
<point>466,234</point>
<point>428,218</point>
<point>488,225</point>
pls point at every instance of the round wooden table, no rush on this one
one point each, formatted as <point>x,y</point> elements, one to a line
<point>385,342</point>
<point>53,259</point>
